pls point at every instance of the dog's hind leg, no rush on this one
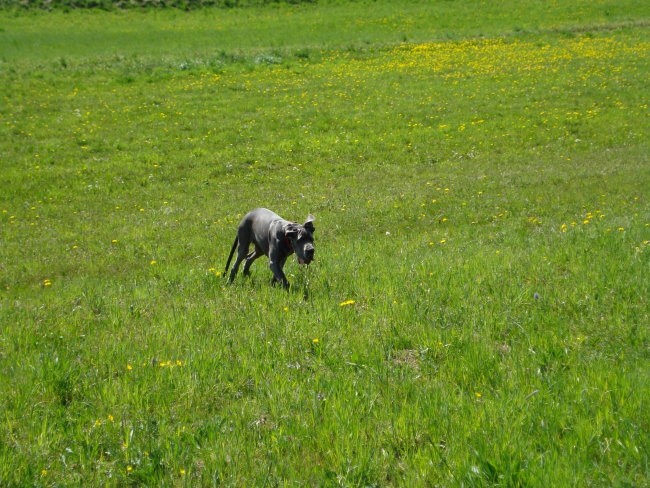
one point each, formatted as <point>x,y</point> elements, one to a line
<point>242,253</point>
<point>257,253</point>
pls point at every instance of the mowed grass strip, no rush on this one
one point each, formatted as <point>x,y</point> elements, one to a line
<point>476,315</point>
<point>176,36</point>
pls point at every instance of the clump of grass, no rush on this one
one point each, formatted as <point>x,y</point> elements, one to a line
<point>476,313</point>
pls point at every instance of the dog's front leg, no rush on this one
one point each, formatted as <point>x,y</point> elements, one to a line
<point>276,263</point>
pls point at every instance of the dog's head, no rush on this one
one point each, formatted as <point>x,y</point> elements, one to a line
<point>302,239</point>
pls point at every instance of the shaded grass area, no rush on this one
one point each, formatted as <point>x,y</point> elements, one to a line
<point>477,313</point>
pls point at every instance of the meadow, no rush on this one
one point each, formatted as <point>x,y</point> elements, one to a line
<point>477,311</point>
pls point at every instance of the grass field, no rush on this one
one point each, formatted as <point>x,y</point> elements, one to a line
<point>477,313</point>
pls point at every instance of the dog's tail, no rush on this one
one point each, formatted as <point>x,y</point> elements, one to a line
<point>232,251</point>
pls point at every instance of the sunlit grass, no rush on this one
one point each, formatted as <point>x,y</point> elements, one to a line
<point>476,314</point>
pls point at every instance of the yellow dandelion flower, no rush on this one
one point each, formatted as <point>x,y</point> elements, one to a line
<point>129,367</point>
<point>153,262</point>
<point>43,472</point>
<point>346,303</point>
<point>182,472</point>
<point>110,418</point>
<point>315,340</point>
<point>478,394</point>
<point>129,468</point>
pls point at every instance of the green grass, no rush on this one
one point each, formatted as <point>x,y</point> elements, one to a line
<point>477,312</point>
<point>165,35</point>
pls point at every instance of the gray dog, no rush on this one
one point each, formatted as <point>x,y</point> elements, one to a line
<point>274,237</point>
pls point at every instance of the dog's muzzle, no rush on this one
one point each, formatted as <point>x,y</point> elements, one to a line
<point>309,256</point>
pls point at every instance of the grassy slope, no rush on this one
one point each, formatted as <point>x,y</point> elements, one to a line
<point>484,203</point>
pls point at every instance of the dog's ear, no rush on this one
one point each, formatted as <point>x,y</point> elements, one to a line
<point>309,223</point>
<point>291,231</point>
